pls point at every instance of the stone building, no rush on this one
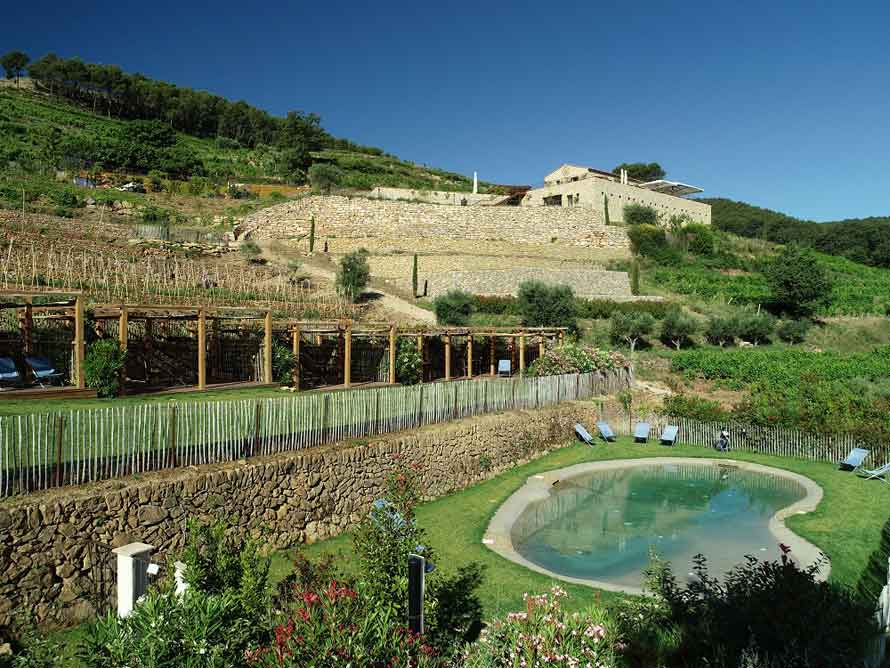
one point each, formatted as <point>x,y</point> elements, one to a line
<point>578,186</point>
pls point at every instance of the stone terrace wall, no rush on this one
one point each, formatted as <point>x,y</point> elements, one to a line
<point>585,282</point>
<point>357,217</point>
<point>299,497</point>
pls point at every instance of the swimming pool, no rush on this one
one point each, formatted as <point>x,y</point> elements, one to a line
<point>598,523</point>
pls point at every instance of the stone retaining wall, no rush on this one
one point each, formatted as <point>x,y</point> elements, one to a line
<point>357,217</point>
<point>45,560</point>
<point>585,282</point>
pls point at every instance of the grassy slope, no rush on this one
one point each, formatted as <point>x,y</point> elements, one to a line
<point>846,525</point>
<point>24,114</point>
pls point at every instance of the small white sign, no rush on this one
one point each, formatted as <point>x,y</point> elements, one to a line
<point>153,569</point>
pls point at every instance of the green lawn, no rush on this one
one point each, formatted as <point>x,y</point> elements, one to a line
<point>847,524</point>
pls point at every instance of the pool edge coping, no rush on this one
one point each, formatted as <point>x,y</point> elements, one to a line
<point>537,487</point>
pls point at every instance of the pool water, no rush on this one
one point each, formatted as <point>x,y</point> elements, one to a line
<point>602,525</point>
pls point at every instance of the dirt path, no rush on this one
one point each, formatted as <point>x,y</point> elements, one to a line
<point>397,306</point>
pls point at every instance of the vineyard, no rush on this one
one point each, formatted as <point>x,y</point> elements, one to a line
<point>117,278</point>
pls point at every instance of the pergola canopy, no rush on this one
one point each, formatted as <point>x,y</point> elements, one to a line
<point>670,187</point>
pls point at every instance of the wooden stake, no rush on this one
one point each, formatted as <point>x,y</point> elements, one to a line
<point>347,356</point>
<point>420,350</point>
<point>122,337</point>
<point>541,347</point>
<point>202,350</point>
<point>27,327</point>
<point>448,357</point>
<point>392,354</point>
<point>78,342</point>
<point>267,349</point>
<point>491,355</point>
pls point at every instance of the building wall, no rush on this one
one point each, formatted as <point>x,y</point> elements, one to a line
<point>590,191</point>
<point>432,196</point>
<point>46,563</point>
<point>358,217</point>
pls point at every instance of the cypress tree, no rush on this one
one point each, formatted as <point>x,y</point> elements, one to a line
<point>414,277</point>
<point>312,234</point>
<point>606,209</point>
<point>635,276</point>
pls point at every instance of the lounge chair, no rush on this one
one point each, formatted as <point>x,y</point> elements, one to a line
<point>583,434</point>
<point>879,473</point>
<point>504,368</point>
<point>669,435</point>
<point>641,432</point>
<point>43,369</point>
<point>605,431</point>
<point>854,459</point>
<point>9,373</point>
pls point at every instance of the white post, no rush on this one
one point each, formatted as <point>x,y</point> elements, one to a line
<point>475,183</point>
<point>132,575</point>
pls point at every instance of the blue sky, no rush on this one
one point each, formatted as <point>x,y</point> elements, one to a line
<point>781,104</point>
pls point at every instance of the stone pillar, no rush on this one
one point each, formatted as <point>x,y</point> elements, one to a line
<point>132,575</point>
<point>475,183</point>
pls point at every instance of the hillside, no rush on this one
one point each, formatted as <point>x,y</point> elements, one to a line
<point>40,132</point>
<point>865,240</point>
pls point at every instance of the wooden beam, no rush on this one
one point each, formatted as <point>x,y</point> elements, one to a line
<point>122,328</point>
<point>491,355</point>
<point>202,350</point>
<point>392,354</point>
<point>448,357</point>
<point>420,350</point>
<point>27,327</point>
<point>470,356</point>
<point>521,355</point>
<point>296,350</point>
<point>79,351</point>
<point>347,356</point>
<point>267,349</point>
<point>541,349</point>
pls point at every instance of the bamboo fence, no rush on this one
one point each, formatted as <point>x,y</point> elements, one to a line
<point>40,451</point>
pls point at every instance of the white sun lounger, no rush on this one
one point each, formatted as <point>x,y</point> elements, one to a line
<point>854,459</point>
<point>583,434</point>
<point>879,473</point>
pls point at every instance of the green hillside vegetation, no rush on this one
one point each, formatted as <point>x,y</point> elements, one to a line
<point>865,240</point>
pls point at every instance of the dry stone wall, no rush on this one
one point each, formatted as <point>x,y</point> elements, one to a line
<point>585,282</point>
<point>358,217</point>
<point>47,565</point>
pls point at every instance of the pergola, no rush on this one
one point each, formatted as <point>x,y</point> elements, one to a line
<point>67,305</point>
<point>347,331</point>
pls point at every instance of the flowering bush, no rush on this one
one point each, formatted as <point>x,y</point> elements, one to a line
<point>339,626</point>
<point>576,358</point>
<point>545,635</point>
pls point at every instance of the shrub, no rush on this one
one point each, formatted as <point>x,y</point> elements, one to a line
<point>793,331</point>
<point>545,634</point>
<point>283,362</point>
<point>694,408</point>
<point>631,328</point>
<point>324,177</point>
<point>798,282</point>
<point>575,358</point>
<point>409,363</point>
<point>756,328</point>
<point>250,250</point>
<point>638,214</point>
<point>542,305</point>
<point>156,180</point>
<point>773,609</point>
<point>721,330</point>
<point>103,366</point>
<point>353,274</point>
<point>453,308</point>
<point>647,240</point>
<point>635,276</point>
<point>700,239</point>
<point>155,215</point>
<point>678,327</point>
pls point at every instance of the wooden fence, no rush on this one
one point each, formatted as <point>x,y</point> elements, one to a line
<point>40,451</point>
<point>779,441</point>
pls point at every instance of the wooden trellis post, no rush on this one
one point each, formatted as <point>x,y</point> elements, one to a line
<point>521,355</point>
<point>267,349</point>
<point>202,349</point>
<point>541,347</point>
<point>491,355</point>
<point>420,350</point>
<point>123,339</point>
<point>296,350</point>
<point>392,354</point>
<point>469,356</point>
<point>27,327</point>
<point>78,342</point>
<point>448,357</point>
<point>347,355</point>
